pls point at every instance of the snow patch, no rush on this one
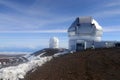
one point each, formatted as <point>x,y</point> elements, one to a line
<point>18,72</point>
<point>60,53</point>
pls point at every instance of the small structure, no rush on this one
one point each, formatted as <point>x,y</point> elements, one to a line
<point>54,42</point>
<point>85,33</point>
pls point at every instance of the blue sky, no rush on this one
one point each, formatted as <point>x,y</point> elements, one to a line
<point>28,24</point>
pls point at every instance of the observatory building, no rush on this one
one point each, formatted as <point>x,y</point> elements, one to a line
<point>84,33</point>
<point>54,42</point>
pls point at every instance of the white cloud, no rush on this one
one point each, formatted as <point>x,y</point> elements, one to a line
<point>31,17</point>
<point>112,4</point>
<point>112,29</point>
<point>112,12</point>
<point>107,13</point>
<point>15,52</point>
<point>38,31</point>
<point>21,22</point>
<point>109,8</point>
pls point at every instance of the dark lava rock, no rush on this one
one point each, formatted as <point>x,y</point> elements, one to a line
<point>49,51</point>
<point>97,64</point>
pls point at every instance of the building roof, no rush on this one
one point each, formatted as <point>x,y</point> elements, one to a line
<point>84,20</point>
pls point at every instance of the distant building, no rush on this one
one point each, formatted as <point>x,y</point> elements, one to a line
<point>85,33</point>
<point>54,42</point>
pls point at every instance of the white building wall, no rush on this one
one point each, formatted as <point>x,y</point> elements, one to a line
<point>86,29</point>
<point>72,45</point>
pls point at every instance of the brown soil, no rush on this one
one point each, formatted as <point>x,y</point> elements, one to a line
<point>99,64</point>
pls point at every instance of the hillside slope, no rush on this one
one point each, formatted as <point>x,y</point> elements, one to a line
<point>99,64</point>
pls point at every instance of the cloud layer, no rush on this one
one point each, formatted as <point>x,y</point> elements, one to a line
<point>30,23</point>
<point>45,15</point>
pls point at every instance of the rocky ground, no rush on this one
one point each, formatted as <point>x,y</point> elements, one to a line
<point>98,64</point>
<point>48,52</point>
<point>7,60</point>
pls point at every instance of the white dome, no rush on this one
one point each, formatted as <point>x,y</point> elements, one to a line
<point>85,28</point>
<point>54,42</point>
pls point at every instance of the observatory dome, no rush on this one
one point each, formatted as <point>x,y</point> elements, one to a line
<point>54,42</point>
<point>85,28</point>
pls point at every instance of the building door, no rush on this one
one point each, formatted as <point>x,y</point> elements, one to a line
<point>80,46</point>
<point>117,45</point>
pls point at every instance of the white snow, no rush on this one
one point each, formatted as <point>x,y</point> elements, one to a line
<point>60,53</point>
<point>54,42</point>
<point>18,72</point>
<point>97,25</point>
<point>33,57</point>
